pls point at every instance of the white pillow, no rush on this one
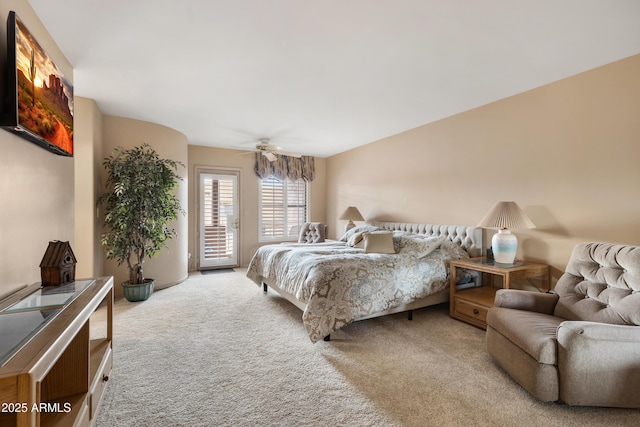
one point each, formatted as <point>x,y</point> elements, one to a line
<point>356,240</point>
<point>420,247</point>
<point>357,229</point>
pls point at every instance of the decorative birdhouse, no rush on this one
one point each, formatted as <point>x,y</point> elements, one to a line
<point>58,265</point>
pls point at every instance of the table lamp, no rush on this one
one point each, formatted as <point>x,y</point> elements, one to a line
<point>505,216</point>
<point>351,214</point>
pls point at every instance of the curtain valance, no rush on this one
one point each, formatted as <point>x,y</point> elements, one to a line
<point>283,167</point>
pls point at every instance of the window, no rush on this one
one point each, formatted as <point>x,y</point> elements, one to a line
<point>283,208</point>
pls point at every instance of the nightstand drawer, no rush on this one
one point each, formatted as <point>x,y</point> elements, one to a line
<point>467,308</point>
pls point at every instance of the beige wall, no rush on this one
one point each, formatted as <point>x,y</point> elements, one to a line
<point>566,152</point>
<point>88,167</point>
<point>36,186</point>
<point>170,265</point>
<point>218,158</point>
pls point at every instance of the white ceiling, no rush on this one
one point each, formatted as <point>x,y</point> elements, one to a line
<point>321,77</point>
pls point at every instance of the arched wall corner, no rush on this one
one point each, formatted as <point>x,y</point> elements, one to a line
<point>170,266</point>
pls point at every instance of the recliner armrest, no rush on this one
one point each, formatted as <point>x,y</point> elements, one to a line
<point>598,364</point>
<point>601,331</point>
<point>526,300</point>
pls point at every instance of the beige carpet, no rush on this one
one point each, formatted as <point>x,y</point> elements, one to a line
<point>215,350</point>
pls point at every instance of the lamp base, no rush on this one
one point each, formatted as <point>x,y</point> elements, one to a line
<point>349,226</point>
<point>504,246</point>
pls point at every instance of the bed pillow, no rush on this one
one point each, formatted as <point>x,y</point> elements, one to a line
<point>398,240</point>
<point>420,247</point>
<point>357,229</point>
<point>357,240</point>
<point>380,242</point>
<point>453,250</point>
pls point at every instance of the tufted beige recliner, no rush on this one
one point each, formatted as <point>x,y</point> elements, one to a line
<point>312,232</point>
<point>580,345</point>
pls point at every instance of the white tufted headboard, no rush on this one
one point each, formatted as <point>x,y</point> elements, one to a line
<point>469,237</point>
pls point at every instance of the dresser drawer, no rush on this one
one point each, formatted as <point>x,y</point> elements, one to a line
<point>470,309</point>
<point>100,383</point>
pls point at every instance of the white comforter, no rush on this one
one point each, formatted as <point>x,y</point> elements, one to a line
<point>340,283</point>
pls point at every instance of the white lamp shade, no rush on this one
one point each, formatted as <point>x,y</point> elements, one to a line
<point>506,215</point>
<point>351,214</point>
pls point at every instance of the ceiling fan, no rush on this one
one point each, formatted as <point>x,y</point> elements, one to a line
<point>269,150</point>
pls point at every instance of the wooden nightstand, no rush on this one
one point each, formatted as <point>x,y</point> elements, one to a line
<point>471,304</point>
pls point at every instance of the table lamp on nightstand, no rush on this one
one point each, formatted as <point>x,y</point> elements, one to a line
<point>351,214</point>
<point>505,216</point>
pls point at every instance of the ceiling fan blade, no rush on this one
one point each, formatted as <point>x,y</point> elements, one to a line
<point>270,156</point>
<point>244,153</point>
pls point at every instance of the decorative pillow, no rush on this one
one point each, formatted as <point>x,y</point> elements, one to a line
<point>398,241</point>
<point>357,229</point>
<point>380,242</point>
<point>312,232</point>
<point>402,237</point>
<point>453,250</point>
<point>357,240</point>
<point>420,247</point>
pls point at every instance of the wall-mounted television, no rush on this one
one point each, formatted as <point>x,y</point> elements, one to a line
<point>38,101</point>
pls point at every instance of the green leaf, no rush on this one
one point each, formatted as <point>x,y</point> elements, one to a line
<point>139,201</point>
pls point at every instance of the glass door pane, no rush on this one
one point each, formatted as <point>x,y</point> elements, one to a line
<point>219,221</point>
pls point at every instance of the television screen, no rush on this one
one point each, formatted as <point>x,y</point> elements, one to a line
<point>40,97</point>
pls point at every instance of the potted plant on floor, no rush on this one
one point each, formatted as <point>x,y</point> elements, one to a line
<point>139,203</point>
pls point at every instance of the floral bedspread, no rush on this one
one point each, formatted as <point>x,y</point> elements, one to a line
<point>340,283</point>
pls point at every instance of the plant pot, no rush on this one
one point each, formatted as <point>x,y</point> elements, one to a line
<point>140,292</point>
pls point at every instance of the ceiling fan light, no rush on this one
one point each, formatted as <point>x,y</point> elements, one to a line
<point>269,150</point>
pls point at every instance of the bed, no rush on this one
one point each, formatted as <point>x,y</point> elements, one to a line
<point>336,283</point>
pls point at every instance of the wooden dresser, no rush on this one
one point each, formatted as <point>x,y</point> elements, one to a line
<point>54,360</point>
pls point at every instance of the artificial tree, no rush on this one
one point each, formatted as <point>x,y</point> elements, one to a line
<point>139,203</point>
